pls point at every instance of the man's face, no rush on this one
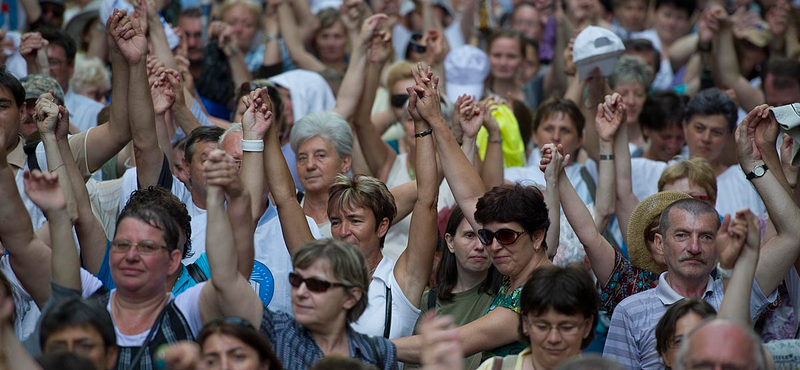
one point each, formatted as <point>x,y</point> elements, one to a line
<point>233,146</point>
<point>28,125</point>
<point>85,341</point>
<point>706,136</point>
<point>781,94</point>
<point>526,20</point>
<point>9,118</point>
<point>196,176</point>
<point>706,352</point>
<point>60,67</point>
<point>193,27</point>
<point>559,129</point>
<point>688,245</point>
<point>178,169</point>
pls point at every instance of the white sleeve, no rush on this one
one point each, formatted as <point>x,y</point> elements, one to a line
<point>188,303</point>
<point>89,283</point>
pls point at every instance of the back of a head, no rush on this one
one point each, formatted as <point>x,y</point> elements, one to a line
<point>514,203</point>
<point>77,312</point>
<point>330,126</point>
<point>65,361</point>
<point>697,170</point>
<point>658,111</point>
<point>690,205</point>
<point>153,196</point>
<point>591,362</point>
<point>711,102</point>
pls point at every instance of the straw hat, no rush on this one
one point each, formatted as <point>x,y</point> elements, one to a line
<point>643,215</point>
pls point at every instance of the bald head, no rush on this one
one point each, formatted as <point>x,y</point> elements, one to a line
<point>724,343</point>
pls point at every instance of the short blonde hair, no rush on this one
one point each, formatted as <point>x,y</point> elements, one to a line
<point>399,71</point>
<point>253,8</point>
<point>697,170</point>
<point>346,263</point>
<point>89,72</point>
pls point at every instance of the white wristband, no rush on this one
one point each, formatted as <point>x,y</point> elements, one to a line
<point>252,146</point>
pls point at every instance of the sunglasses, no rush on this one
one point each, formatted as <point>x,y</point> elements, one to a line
<point>313,284</point>
<point>398,100</point>
<point>503,236</point>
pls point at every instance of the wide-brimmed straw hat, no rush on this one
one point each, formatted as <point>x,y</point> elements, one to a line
<point>643,215</point>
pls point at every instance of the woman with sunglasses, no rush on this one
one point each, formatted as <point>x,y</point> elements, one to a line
<point>511,221</point>
<point>558,313</point>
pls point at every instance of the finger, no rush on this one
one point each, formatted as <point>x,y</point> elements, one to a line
<point>726,221</point>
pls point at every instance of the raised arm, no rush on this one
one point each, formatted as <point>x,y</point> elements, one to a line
<point>284,194</point>
<point>155,31</point>
<point>353,88</point>
<point>626,201</point>
<point>492,169</point>
<point>377,153</point>
<point>256,120</point>
<point>293,42</point>
<point>552,170</point>
<point>737,245</point>
<point>15,355</point>
<point>228,293</point>
<point>415,263</point>
<point>727,64</point>
<point>780,252</point>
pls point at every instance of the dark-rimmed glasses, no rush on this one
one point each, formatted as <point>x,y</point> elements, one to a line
<point>313,284</point>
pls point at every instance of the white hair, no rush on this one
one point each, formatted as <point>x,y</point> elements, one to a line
<point>234,127</point>
<point>331,127</point>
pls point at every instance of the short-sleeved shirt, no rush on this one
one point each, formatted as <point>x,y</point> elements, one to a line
<point>509,299</point>
<point>625,281</point>
<point>404,314</point>
<point>631,338</point>
<point>296,349</point>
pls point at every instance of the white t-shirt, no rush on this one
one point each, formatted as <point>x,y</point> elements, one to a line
<point>82,110</point>
<point>272,253</point>
<point>26,312</point>
<point>404,314</point>
<point>734,192</point>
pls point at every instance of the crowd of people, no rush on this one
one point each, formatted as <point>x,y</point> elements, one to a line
<point>386,184</point>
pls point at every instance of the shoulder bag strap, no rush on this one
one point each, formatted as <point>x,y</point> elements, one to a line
<point>388,319</point>
<point>196,273</point>
<point>153,330</point>
<point>432,299</point>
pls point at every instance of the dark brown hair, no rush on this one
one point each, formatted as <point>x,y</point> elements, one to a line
<point>242,330</point>
<point>515,203</point>
<point>665,329</point>
<point>559,105</point>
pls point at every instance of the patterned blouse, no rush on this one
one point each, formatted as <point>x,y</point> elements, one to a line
<point>626,280</point>
<point>510,301</point>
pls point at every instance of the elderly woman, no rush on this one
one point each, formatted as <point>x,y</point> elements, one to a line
<point>361,211</point>
<point>91,79</point>
<point>631,79</point>
<point>558,313</point>
<point>511,221</point>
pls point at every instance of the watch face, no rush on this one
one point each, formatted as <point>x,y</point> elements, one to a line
<point>759,171</point>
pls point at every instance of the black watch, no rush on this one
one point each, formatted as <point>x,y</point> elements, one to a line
<point>757,171</point>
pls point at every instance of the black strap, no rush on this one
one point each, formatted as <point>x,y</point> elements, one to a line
<point>196,273</point>
<point>300,196</point>
<point>30,151</point>
<point>432,299</point>
<point>150,337</point>
<point>388,320</point>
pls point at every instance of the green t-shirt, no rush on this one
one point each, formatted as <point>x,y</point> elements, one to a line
<point>466,307</point>
<point>509,300</point>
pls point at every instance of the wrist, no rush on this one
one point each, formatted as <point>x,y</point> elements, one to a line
<point>252,135</point>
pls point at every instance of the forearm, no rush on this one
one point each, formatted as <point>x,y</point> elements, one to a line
<point>555,81</point>
<point>158,38</point>
<point>272,47</point>
<point>56,163</point>
<point>429,18</point>
<point>625,199</point>
<point>600,253</point>
<point>780,252</point>
<point>301,11</point>
<point>350,92</point>
<point>33,10</point>
<point>149,158</point>
<point>253,177</point>
<point>223,262</point>
<point>606,196</point>
<point>16,356</point>
<point>736,300</point>
<point>682,50</point>
<point>492,170</point>
<point>553,202</point>
<point>294,44</point>
<point>241,216</point>
<point>239,70</point>
<point>469,147</point>
<point>183,117</point>
<point>376,153</point>
<point>65,261</point>
<point>726,61</point>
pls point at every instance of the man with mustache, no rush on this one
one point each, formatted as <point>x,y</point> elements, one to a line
<point>691,238</point>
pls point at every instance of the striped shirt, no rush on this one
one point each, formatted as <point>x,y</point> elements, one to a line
<point>631,338</point>
<point>297,350</point>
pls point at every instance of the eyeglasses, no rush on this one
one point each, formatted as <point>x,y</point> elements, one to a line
<point>565,329</point>
<point>398,100</point>
<point>503,236</point>
<point>145,247</point>
<point>313,284</point>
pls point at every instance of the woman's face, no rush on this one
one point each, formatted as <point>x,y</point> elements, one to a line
<point>244,24</point>
<point>505,58</point>
<point>331,42</point>
<point>633,95</point>
<point>222,351</point>
<point>556,337</point>
<point>694,190</point>
<point>139,272</point>
<point>511,260</point>
<point>666,143</point>
<point>399,88</point>
<point>471,255</point>
<point>318,163</point>
<point>682,327</point>
<point>320,309</point>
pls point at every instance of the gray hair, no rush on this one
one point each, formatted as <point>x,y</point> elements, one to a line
<point>759,353</point>
<point>692,206</point>
<point>331,127</point>
<point>631,69</point>
<point>234,127</point>
<point>591,362</point>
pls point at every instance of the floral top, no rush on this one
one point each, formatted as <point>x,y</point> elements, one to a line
<point>510,301</point>
<point>626,280</point>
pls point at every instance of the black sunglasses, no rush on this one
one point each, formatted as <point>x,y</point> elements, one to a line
<point>503,236</point>
<point>313,284</point>
<point>398,100</point>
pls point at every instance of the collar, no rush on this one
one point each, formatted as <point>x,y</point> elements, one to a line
<point>668,296</point>
<point>16,157</point>
<point>383,270</point>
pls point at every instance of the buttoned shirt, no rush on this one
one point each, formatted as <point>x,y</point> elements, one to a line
<point>631,338</point>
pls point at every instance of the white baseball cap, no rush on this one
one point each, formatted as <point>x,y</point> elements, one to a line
<point>465,70</point>
<point>788,116</point>
<point>596,47</point>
